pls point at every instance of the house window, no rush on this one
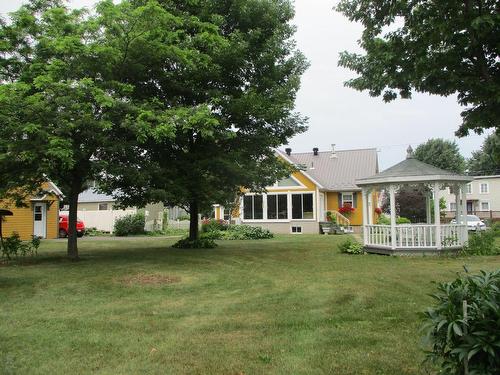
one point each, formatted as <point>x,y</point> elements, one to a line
<point>296,230</point>
<point>252,207</point>
<point>277,206</point>
<point>348,198</point>
<point>103,206</point>
<point>469,188</point>
<point>484,189</point>
<point>453,206</point>
<point>289,181</point>
<point>485,206</point>
<point>302,206</point>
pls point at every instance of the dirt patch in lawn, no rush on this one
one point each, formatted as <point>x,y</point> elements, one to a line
<point>150,279</point>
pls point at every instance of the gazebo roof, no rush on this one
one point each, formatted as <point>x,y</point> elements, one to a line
<point>412,170</point>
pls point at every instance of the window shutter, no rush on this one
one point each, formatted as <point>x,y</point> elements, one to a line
<point>340,199</point>
<point>355,200</point>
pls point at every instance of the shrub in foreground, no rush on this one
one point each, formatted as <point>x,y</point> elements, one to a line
<point>452,338</point>
<point>201,243</point>
<point>481,243</point>
<point>351,247</point>
<point>130,225</point>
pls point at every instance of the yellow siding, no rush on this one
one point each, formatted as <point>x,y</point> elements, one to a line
<point>309,185</point>
<point>22,220</point>
<point>332,204</point>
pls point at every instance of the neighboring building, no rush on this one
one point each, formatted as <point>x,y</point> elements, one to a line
<point>100,211</point>
<point>483,198</point>
<point>299,203</point>
<point>40,216</point>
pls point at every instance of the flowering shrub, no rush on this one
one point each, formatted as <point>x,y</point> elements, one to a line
<point>210,225</point>
<point>346,209</point>
<point>378,211</point>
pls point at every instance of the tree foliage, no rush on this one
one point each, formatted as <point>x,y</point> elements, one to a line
<point>486,161</point>
<point>62,105</point>
<point>444,47</point>
<point>225,99</point>
<point>441,153</point>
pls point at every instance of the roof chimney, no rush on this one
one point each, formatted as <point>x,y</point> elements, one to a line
<point>315,151</point>
<point>288,151</point>
<point>334,154</point>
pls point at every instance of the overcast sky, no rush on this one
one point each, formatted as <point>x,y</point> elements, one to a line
<point>343,116</point>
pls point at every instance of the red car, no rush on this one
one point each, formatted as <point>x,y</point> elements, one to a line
<point>63,227</point>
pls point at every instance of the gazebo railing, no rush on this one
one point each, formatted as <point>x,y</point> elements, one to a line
<point>417,236</point>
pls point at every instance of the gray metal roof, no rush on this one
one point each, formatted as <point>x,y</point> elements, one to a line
<point>412,170</point>
<point>338,171</point>
<point>92,196</point>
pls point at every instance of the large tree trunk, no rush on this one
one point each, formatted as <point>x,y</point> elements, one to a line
<point>72,218</point>
<point>193,220</point>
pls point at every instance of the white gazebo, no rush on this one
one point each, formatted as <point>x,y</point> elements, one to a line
<point>415,238</point>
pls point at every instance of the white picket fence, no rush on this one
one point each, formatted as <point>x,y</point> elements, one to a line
<point>103,220</point>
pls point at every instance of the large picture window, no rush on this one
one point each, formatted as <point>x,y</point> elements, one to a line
<point>252,207</point>
<point>277,207</point>
<point>302,206</point>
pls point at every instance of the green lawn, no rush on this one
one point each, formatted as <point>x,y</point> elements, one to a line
<point>291,305</point>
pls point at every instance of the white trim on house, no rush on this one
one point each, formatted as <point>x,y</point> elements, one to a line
<point>469,188</point>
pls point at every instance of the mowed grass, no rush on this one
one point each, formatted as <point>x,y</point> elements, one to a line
<point>290,305</point>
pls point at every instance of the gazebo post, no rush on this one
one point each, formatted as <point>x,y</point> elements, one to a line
<point>428,208</point>
<point>366,212</point>
<point>437,216</point>
<point>392,193</point>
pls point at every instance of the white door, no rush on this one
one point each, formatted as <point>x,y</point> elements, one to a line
<point>40,220</point>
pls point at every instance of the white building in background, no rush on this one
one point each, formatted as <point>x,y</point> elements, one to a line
<point>483,198</point>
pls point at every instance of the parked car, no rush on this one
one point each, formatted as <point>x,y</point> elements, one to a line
<point>63,227</point>
<point>473,223</point>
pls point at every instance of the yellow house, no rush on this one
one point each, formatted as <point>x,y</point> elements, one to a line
<point>39,217</point>
<point>298,204</point>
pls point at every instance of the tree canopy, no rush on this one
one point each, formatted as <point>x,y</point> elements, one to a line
<point>441,153</point>
<point>221,107</point>
<point>486,161</point>
<point>445,47</point>
<point>62,104</point>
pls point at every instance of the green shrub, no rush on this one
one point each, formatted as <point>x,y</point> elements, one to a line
<point>201,243</point>
<point>130,224</point>
<point>351,247</point>
<point>246,232</point>
<point>481,243</point>
<point>384,220</point>
<point>210,225</point>
<point>212,235</point>
<point>495,227</point>
<point>14,247</point>
<point>451,339</point>
<point>402,220</point>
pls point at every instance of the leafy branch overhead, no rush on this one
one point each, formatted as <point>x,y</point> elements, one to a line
<point>444,48</point>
